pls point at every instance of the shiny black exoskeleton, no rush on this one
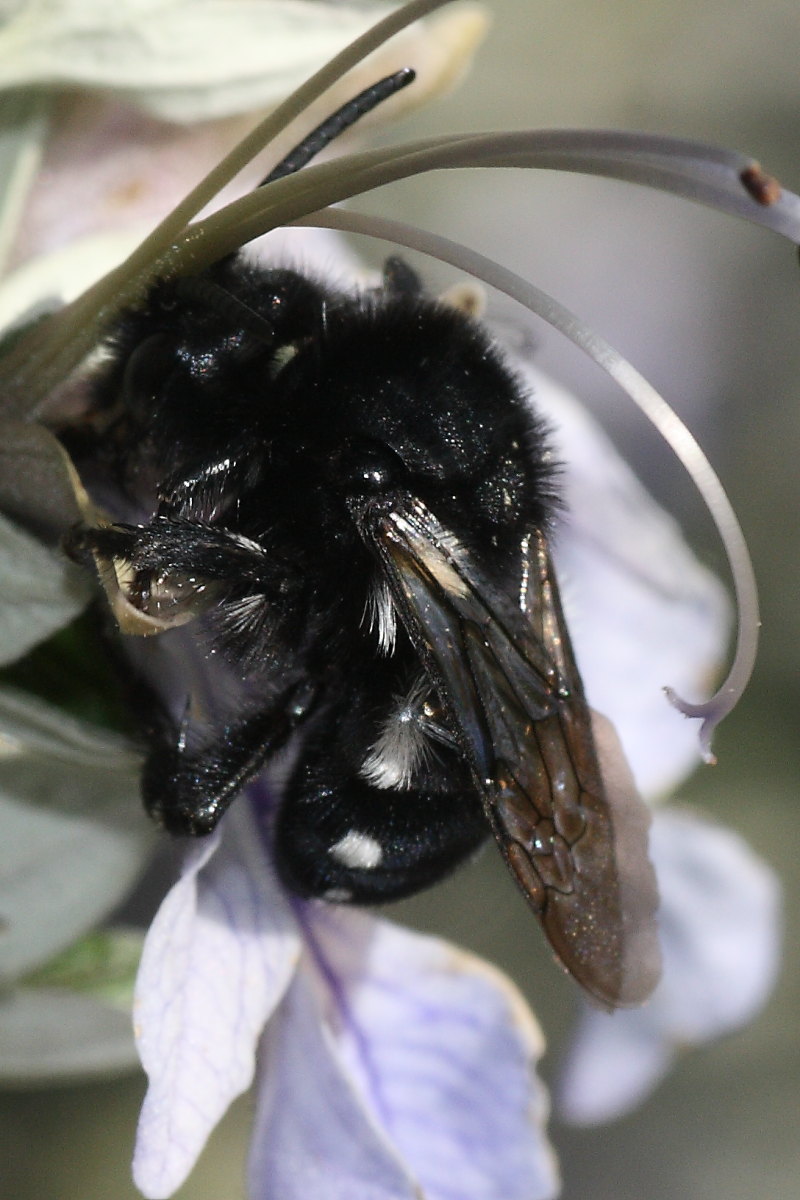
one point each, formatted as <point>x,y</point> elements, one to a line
<point>271,423</point>
<point>346,498</point>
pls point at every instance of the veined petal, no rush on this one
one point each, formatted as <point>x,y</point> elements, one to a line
<point>312,1135</point>
<point>641,608</point>
<point>720,933</point>
<point>217,960</point>
<point>183,59</point>
<point>720,926</point>
<point>443,1050</point>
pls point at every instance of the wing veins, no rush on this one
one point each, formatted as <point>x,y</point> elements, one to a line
<point>506,675</point>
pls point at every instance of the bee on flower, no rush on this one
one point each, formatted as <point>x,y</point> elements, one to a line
<point>376,579</point>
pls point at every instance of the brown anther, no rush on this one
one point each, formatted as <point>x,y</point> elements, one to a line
<point>764,188</point>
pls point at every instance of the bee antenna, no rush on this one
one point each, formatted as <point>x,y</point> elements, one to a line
<point>334,125</point>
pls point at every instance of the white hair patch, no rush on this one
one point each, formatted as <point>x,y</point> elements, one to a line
<point>382,616</point>
<point>402,744</point>
<point>358,851</point>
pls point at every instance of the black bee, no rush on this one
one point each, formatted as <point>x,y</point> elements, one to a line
<point>351,494</point>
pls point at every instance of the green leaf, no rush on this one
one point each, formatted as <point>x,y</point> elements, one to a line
<point>30,728</point>
<point>74,671</point>
<point>40,591</point>
<point>73,838</point>
<point>59,876</point>
<point>102,964</point>
<point>57,1036</point>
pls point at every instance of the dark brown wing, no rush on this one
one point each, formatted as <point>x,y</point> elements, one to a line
<point>563,807</point>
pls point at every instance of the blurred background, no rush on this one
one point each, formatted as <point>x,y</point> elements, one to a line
<point>707,308</point>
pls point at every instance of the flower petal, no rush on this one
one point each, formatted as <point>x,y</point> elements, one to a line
<point>108,165</point>
<point>720,939</point>
<point>191,60</point>
<point>216,962</point>
<point>183,59</point>
<point>720,926</point>
<point>442,1048</point>
<point>312,1136</point>
<point>646,611</point>
<point>22,132</point>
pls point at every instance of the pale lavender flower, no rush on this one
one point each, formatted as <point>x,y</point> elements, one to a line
<point>646,611</point>
<point>389,1065</point>
<point>720,937</point>
<point>384,1055</point>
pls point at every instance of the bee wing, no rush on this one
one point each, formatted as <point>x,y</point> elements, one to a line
<point>562,804</point>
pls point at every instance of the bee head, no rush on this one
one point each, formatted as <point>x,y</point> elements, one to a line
<point>402,396</point>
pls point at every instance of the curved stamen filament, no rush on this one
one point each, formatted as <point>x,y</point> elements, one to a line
<point>655,408</point>
<point>706,174</point>
<point>722,179</point>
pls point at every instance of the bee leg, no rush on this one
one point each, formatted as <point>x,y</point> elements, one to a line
<point>187,791</point>
<point>172,547</point>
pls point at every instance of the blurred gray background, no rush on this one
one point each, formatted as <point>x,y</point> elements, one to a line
<point>708,309</point>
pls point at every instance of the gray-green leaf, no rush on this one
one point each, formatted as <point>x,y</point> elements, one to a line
<point>50,1035</point>
<point>73,838</point>
<point>102,964</point>
<point>40,590</point>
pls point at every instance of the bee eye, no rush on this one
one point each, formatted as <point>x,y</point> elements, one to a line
<point>366,467</point>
